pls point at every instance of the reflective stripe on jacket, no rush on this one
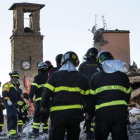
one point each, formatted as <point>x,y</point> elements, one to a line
<point>67,91</point>
<point>37,86</point>
<point>109,89</point>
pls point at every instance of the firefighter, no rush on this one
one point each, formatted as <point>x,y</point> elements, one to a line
<point>37,89</point>
<point>67,88</point>
<point>50,68</point>
<point>58,61</point>
<point>10,97</point>
<point>26,109</point>
<point>1,116</point>
<point>23,107</point>
<point>89,67</point>
<point>111,91</point>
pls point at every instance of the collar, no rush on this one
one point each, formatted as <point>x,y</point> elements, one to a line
<point>111,66</point>
<point>68,66</point>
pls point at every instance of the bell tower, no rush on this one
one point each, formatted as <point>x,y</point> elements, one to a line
<point>26,42</point>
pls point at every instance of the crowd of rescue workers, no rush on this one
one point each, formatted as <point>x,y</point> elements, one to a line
<point>97,94</point>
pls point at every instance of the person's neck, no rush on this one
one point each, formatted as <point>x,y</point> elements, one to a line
<point>13,82</point>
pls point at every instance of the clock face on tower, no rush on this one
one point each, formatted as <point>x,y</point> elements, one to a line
<point>26,65</point>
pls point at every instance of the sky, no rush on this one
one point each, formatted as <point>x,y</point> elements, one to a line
<point>65,24</point>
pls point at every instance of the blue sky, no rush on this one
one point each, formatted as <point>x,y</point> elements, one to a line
<point>65,24</point>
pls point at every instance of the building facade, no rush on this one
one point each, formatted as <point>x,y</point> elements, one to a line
<point>114,41</point>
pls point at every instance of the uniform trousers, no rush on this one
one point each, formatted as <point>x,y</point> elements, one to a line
<point>11,115</point>
<point>39,118</point>
<point>60,122</point>
<point>1,119</point>
<point>111,120</point>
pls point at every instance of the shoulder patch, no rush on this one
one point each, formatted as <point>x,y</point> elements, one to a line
<point>6,87</point>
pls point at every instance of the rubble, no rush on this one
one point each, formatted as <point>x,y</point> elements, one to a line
<point>24,135</point>
<point>134,105</point>
<point>134,77</point>
<point>134,111</point>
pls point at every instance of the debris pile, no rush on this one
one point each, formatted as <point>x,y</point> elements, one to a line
<point>134,77</point>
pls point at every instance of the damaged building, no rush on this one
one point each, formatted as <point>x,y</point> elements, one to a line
<point>114,41</point>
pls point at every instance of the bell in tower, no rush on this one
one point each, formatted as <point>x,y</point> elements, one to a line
<point>26,42</point>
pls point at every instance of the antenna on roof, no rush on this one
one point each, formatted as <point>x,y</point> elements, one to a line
<point>95,23</point>
<point>94,28</point>
<point>104,24</point>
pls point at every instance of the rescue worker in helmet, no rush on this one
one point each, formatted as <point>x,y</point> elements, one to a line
<point>111,92</point>
<point>50,68</point>
<point>88,68</point>
<point>1,113</point>
<point>23,107</point>
<point>37,89</point>
<point>10,97</point>
<point>58,61</point>
<point>1,116</point>
<point>67,88</point>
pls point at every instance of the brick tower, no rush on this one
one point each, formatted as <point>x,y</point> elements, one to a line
<point>26,42</point>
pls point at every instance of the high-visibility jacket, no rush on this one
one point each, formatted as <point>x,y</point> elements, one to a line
<point>19,90</point>
<point>88,68</point>
<point>9,92</point>
<point>37,86</point>
<point>109,89</point>
<point>23,106</point>
<point>1,104</point>
<point>67,91</point>
<point>1,113</point>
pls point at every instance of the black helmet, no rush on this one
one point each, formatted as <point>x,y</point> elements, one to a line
<point>42,65</point>
<point>58,58</point>
<point>70,56</point>
<point>92,53</point>
<point>104,55</point>
<point>14,74</point>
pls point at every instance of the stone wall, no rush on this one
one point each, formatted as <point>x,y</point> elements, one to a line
<point>26,48</point>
